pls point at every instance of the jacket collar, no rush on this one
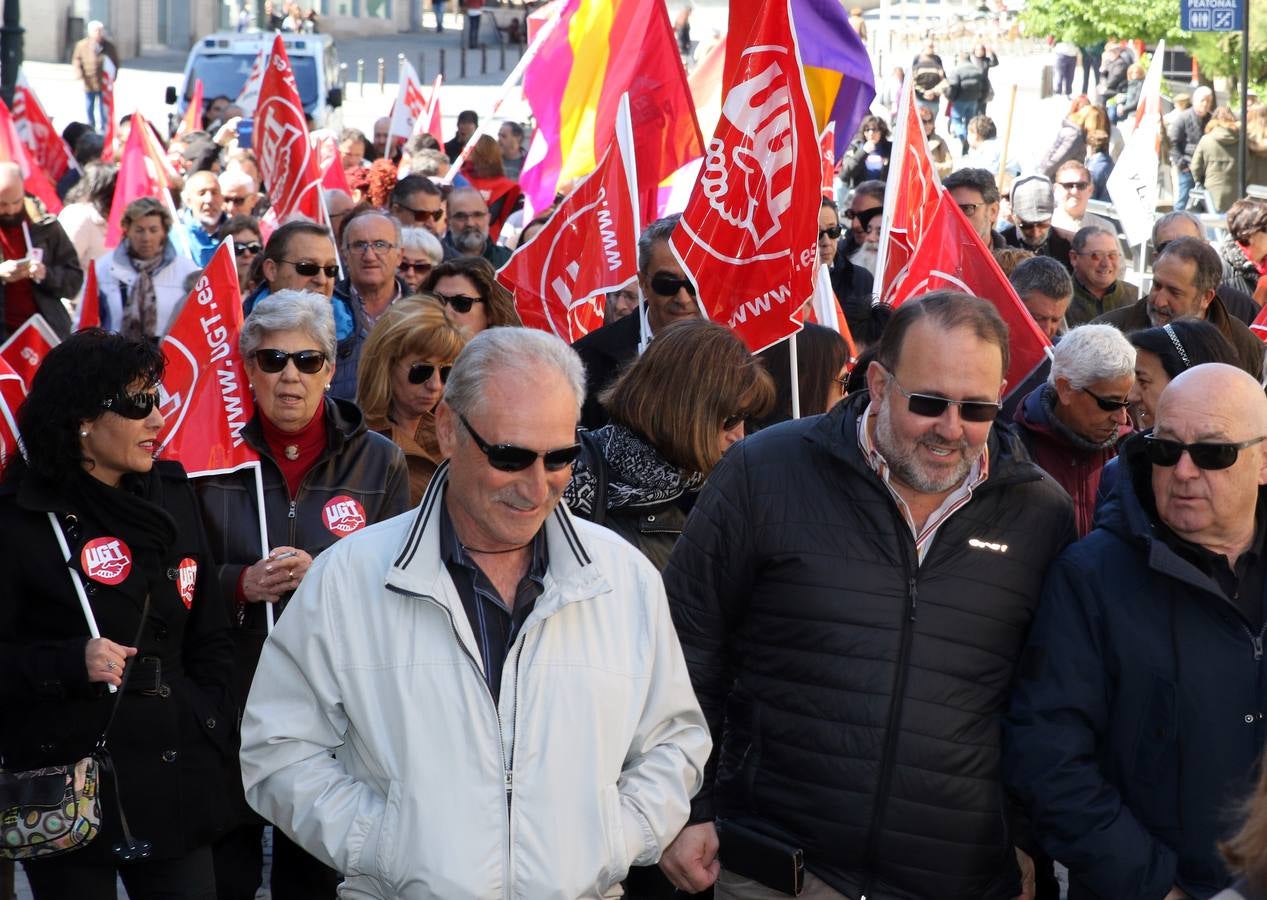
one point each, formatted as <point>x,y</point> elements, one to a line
<point>419,569</point>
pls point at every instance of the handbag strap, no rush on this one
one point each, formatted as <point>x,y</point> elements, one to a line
<point>127,673</point>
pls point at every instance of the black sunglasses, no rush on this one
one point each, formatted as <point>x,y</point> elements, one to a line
<point>252,248</point>
<point>1074,185</point>
<point>666,285</point>
<point>931,407</point>
<point>1107,404</point>
<point>308,269</point>
<point>435,215</point>
<point>730,422</point>
<point>460,302</point>
<point>1167,453</point>
<point>273,361</point>
<point>421,268</point>
<point>420,373</point>
<point>133,406</point>
<point>509,458</point>
<point>833,232</point>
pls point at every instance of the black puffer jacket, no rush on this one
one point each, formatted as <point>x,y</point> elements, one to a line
<point>855,698</point>
<point>357,464</point>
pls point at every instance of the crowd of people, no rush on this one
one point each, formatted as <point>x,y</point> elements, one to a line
<point>507,617</point>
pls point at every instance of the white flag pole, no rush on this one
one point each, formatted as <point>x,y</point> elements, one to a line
<point>79,586</point>
<point>795,376</point>
<point>264,549</point>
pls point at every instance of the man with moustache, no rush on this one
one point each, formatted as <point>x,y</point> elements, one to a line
<point>39,265</point>
<point>1137,722</point>
<point>1072,424</point>
<point>1095,258</point>
<point>852,592</point>
<point>468,228</point>
<point>486,697</point>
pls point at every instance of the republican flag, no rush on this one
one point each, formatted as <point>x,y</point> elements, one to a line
<point>12,393</point>
<point>827,149</point>
<point>1132,184</point>
<point>28,345</point>
<point>595,52</point>
<point>192,120</point>
<point>139,176</point>
<point>108,73</point>
<point>911,197</point>
<point>249,99</point>
<point>43,143</point>
<point>205,397</point>
<point>429,121</point>
<point>825,310</point>
<point>89,315</point>
<point>12,149</point>
<point>287,162</point>
<point>838,70</point>
<point>952,256</point>
<point>748,236</point>
<point>410,104</point>
<point>589,247</point>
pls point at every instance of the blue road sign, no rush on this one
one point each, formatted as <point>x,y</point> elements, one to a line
<point>1211,15</point>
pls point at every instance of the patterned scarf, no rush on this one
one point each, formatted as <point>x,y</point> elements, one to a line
<point>637,474</point>
<point>140,315</point>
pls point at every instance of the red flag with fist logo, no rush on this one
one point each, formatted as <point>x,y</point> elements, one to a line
<point>12,393</point>
<point>204,396</point>
<point>42,140</point>
<point>28,345</point>
<point>748,236</point>
<point>589,247</point>
<point>288,163</point>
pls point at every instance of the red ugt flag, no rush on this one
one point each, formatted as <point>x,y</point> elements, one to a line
<point>44,145</point>
<point>28,345</point>
<point>12,393</point>
<point>561,277</point>
<point>204,396</point>
<point>12,149</point>
<point>288,164</point>
<point>748,236</point>
<point>90,300</point>
<point>138,177</point>
<point>952,256</point>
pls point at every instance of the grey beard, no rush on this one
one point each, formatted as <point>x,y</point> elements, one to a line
<point>903,463</point>
<point>865,256</point>
<point>470,240</point>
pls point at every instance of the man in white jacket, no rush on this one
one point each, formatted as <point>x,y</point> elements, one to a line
<point>483,698</point>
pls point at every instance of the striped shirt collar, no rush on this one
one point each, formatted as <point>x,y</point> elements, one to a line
<point>956,499</point>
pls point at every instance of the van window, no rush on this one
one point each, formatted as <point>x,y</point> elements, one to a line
<point>224,74</point>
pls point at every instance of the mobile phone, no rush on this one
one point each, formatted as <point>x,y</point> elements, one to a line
<point>246,129</point>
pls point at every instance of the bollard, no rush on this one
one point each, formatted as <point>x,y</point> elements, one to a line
<point>443,70</point>
<point>343,77</point>
<point>483,59</point>
<point>382,75</point>
<point>501,49</point>
<point>422,65</point>
<point>400,66</point>
<point>462,62</point>
<point>360,75</point>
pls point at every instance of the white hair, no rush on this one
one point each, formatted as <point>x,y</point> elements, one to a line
<point>235,178</point>
<point>1091,353</point>
<point>523,351</point>
<point>423,241</point>
<point>289,310</point>
<point>1201,93</point>
<point>95,26</point>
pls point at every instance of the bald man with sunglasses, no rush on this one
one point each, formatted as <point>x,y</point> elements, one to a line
<point>1137,722</point>
<point>486,697</point>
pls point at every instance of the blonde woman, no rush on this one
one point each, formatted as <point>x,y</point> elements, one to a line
<point>404,366</point>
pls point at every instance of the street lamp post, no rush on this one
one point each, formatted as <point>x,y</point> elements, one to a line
<point>10,49</point>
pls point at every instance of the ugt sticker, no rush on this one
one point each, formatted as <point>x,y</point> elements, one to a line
<point>186,578</point>
<point>106,559</point>
<point>343,515</point>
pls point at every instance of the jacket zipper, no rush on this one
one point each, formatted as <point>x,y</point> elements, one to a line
<point>895,714</point>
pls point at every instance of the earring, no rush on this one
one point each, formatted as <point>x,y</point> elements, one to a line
<point>83,434</point>
<point>327,388</point>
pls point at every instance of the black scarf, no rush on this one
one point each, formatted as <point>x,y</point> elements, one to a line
<point>130,512</point>
<point>637,474</point>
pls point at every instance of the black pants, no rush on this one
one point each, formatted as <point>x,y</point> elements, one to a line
<point>239,861</point>
<point>190,877</point>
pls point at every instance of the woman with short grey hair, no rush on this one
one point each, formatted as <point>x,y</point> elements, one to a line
<point>325,475</point>
<point>420,252</point>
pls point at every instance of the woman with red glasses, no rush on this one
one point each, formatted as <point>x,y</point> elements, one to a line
<point>404,367</point>
<point>325,475</point>
<point>91,523</point>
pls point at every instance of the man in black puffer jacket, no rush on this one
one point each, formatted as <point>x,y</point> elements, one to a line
<point>852,593</point>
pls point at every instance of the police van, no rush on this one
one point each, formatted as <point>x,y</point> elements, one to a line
<point>223,61</point>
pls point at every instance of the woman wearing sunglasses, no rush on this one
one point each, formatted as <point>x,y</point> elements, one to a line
<point>247,246</point>
<point>468,286</point>
<point>420,252</point>
<point>141,282</point>
<point>404,367</point>
<point>325,475</point>
<point>135,542</point>
<point>673,413</point>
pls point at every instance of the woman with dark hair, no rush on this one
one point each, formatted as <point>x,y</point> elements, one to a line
<point>141,282</point>
<point>487,174</point>
<point>1160,355</point>
<point>468,286</point>
<point>87,209</point>
<point>821,372</point>
<point>673,413</point>
<point>89,506</point>
<point>400,380</point>
<point>867,158</point>
<point>1246,851</point>
<point>325,475</point>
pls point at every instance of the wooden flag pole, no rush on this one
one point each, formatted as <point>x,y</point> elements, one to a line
<point>1007,139</point>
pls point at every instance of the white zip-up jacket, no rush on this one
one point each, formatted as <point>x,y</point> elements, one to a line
<point>371,738</point>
